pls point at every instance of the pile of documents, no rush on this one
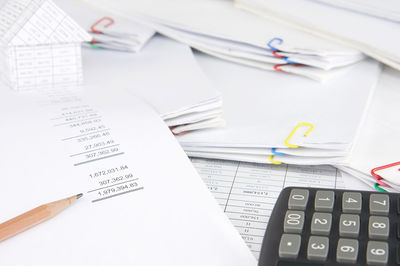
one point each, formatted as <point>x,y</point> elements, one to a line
<point>218,28</point>
<point>108,30</point>
<point>262,110</point>
<point>371,27</point>
<point>166,74</point>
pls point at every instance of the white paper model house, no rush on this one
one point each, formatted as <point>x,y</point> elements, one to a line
<point>40,45</point>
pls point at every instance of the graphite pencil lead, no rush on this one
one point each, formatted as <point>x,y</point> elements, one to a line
<point>79,195</point>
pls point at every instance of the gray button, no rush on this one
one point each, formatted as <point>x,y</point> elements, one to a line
<point>378,227</point>
<point>321,223</point>
<point>351,202</point>
<point>324,200</point>
<point>318,247</point>
<point>349,225</point>
<point>377,253</point>
<point>294,222</point>
<point>379,204</point>
<point>289,246</point>
<point>347,250</point>
<point>298,199</point>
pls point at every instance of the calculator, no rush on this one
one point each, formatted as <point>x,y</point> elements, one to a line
<point>315,227</point>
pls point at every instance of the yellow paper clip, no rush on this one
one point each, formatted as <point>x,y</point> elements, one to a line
<point>294,131</point>
<point>271,157</point>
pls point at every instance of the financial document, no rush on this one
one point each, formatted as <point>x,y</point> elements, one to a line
<point>91,140</point>
<point>247,192</point>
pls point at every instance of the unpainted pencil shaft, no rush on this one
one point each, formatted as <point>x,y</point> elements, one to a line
<point>33,217</point>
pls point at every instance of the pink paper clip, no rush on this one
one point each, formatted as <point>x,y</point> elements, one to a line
<point>110,22</point>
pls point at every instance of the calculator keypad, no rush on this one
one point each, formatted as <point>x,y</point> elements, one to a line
<point>312,218</point>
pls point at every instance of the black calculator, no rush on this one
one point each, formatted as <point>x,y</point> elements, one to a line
<point>315,227</point>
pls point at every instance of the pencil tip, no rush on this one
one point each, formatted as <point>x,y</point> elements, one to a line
<point>79,195</point>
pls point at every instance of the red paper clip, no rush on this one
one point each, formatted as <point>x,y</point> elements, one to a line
<point>276,67</point>
<point>378,177</point>
<point>177,134</point>
<point>110,22</point>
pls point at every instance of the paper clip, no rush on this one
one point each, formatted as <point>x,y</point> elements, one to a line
<point>270,43</point>
<point>283,58</point>
<point>379,178</point>
<point>294,131</point>
<point>177,134</point>
<point>376,186</point>
<point>373,171</point>
<point>276,67</point>
<point>273,150</point>
<point>271,159</point>
<point>110,22</point>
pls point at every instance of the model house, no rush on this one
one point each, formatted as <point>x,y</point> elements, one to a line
<point>40,45</point>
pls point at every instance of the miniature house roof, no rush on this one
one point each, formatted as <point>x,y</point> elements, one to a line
<point>34,22</point>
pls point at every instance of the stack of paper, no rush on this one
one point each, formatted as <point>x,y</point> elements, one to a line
<point>379,143</point>
<point>356,24</point>
<point>262,110</point>
<point>166,74</point>
<point>108,30</point>
<point>217,28</point>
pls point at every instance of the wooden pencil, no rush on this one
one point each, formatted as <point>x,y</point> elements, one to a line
<point>34,217</point>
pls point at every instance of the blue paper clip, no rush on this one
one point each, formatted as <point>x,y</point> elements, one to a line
<point>274,50</point>
<point>274,39</point>
<point>273,150</point>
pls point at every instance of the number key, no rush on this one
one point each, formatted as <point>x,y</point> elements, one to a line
<point>321,223</point>
<point>347,250</point>
<point>378,227</point>
<point>377,253</point>
<point>349,225</point>
<point>379,204</point>
<point>294,221</point>
<point>324,200</point>
<point>318,247</point>
<point>351,202</point>
<point>298,199</point>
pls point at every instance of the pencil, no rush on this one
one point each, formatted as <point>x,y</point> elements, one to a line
<point>35,216</point>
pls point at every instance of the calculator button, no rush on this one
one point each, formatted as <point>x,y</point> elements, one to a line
<point>351,202</point>
<point>379,204</point>
<point>378,227</point>
<point>289,246</point>
<point>347,250</point>
<point>298,199</point>
<point>294,221</point>
<point>318,247</point>
<point>324,200</point>
<point>321,223</point>
<point>349,225</point>
<point>377,253</point>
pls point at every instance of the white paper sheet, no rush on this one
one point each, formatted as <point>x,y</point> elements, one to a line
<point>247,192</point>
<point>143,202</point>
